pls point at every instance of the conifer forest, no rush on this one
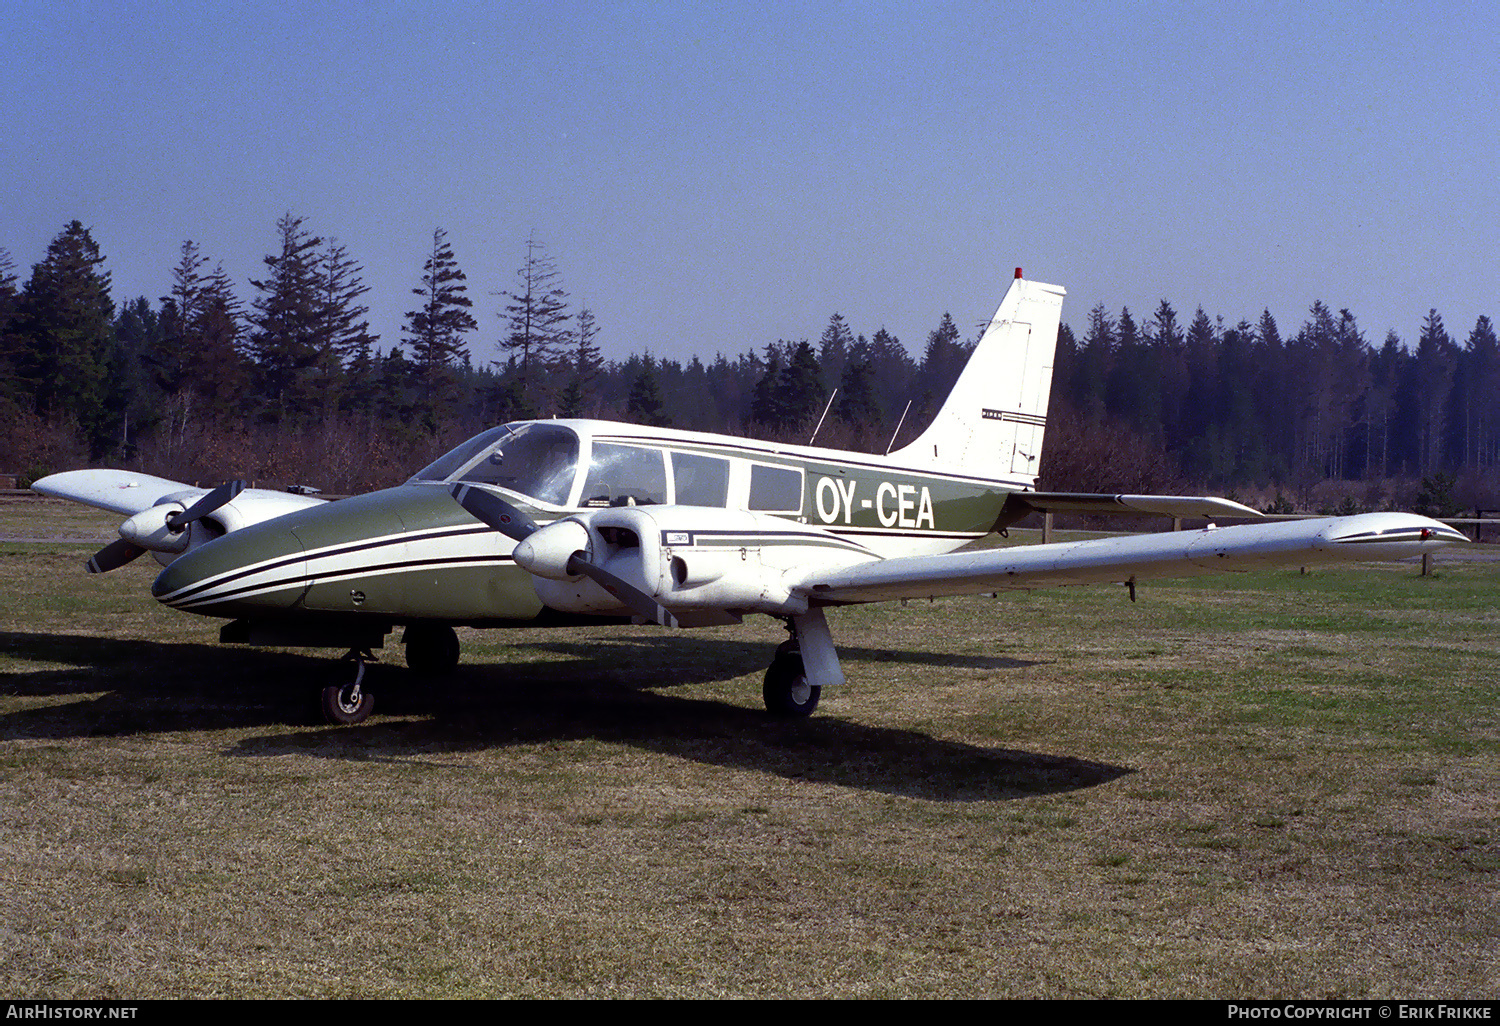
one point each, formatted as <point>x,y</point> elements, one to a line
<point>279,380</point>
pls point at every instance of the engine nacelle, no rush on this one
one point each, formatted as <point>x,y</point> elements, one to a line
<point>148,528</point>
<point>706,564</point>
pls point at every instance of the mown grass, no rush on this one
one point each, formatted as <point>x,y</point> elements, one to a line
<point>1276,785</point>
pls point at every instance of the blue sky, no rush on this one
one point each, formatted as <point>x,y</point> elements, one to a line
<point>711,177</point>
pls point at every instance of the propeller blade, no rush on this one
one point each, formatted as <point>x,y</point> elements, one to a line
<point>642,604</point>
<point>204,506</point>
<point>115,554</point>
<point>489,508</point>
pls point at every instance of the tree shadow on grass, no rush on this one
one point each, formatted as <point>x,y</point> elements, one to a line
<point>607,689</point>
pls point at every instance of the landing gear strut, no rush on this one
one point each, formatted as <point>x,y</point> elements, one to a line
<point>351,703</point>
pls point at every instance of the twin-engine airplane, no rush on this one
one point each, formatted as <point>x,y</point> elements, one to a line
<point>570,522</point>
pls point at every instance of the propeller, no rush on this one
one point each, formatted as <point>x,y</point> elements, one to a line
<point>147,526</point>
<point>204,506</point>
<point>489,508</point>
<point>116,554</point>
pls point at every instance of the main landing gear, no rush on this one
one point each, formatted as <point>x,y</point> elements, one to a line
<point>431,651</point>
<point>786,690</point>
<point>431,648</point>
<point>803,665</point>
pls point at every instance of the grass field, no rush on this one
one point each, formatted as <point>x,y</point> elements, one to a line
<point>1277,785</point>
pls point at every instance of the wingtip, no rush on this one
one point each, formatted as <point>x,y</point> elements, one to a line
<point>1393,534</point>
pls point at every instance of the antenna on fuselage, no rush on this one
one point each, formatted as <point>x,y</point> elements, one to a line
<point>826,407</point>
<point>896,432</point>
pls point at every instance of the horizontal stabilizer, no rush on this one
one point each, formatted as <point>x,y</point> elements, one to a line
<point>1020,504</point>
<point>1369,536</point>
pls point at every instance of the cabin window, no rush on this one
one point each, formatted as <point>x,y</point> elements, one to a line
<point>456,459</point>
<point>775,489</point>
<point>539,461</point>
<point>700,480</point>
<point>622,474</point>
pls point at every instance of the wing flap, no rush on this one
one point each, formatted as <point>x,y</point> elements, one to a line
<point>1369,536</point>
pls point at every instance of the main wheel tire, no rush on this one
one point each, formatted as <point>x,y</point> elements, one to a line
<point>431,648</point>
<point>786,690</point>
<point>347,704</point>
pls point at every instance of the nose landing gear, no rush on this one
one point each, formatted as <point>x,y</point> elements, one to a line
<point>351,703</point>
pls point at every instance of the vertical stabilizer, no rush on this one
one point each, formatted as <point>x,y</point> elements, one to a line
<point>993,420</point>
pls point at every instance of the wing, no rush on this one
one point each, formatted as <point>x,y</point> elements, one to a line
<point>166,517</point>
<point>1369,536</point>
<point>119,491</point>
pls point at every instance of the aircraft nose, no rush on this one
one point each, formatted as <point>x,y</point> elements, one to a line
<point>250,571</point>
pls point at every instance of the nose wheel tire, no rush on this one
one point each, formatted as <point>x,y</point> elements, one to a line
<point>786,691</point>
<point>351,703</point>
<point>347,704</point>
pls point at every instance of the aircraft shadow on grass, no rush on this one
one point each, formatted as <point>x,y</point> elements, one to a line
<point>609,689</point>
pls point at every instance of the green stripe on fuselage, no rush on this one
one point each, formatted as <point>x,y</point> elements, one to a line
<point>839,497</point>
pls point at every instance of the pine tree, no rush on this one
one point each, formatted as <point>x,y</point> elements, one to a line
<point>833,349</point>
<point>218,369</point>
<point>1381,411</point>
<point>290,327</point>
<point>134,401</point>
<point>393,389</point>
<point>10,301</point>
<point>767,406</point>
<point>536,317</point>
<point>894,371</point>
<point>9,284</point>
<point>1168,371</point>
<point>436,331</point>
<point>170,359</point>
<point>1437,356</point>
<point>346,329</point>
<point>942,361</point>
<point>584,366</point>
<point>1134,391</point>
<point>857,403</point>
<point>800,386</point>
<point>1089,385</point>
<point>645,403</point>
<point>63,334</point>
<point>1479,391</point>
<point>192,357</point>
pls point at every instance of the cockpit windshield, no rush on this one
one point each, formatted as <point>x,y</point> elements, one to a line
<point>536,460</point>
